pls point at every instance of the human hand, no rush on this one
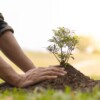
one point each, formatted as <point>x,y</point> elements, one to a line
<point>36,75</point>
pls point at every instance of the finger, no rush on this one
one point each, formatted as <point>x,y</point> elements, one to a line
<point>47,77</point>
<point>42,78</point>
<point>58,69</point>
<point>35,70</point>
<point>52,73</point>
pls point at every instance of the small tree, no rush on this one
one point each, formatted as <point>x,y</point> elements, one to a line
<point>63,43</point>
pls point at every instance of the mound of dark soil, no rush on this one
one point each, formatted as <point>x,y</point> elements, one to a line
<point>73,79</point>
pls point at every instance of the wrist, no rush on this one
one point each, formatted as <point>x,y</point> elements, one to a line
<point>20,81</point>
<point>23,81</point>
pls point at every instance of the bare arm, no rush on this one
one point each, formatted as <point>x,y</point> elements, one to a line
<point>12,50</point>
<point>32,76</point>
<point>8,74</point>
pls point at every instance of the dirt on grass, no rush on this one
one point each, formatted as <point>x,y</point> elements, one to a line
<point>73,79</point>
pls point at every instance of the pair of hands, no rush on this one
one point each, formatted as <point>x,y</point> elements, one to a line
<point>36,75</point>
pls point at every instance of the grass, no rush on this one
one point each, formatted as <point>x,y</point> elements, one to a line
<point>18,94</point>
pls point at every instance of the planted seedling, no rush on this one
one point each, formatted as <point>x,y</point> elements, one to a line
<point>63,43</point>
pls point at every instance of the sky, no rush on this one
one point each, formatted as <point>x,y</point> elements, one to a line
<point>33,20</point>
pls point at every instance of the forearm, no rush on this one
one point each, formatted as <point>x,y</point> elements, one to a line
<point>8,74</point>
<point>11,77</point>
<point>12,50</point>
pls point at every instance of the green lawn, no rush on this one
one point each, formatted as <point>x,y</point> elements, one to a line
<point>49,95</point>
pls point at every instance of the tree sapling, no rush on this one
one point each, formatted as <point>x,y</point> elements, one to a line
<point>63,43</point>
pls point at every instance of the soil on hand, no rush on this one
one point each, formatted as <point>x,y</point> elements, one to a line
<point>73,79</point>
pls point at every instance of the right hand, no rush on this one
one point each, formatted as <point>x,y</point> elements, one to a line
<point>36,75</point>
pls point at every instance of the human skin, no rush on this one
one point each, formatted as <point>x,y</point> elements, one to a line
<point>13,51</point>
<point>32,75</point>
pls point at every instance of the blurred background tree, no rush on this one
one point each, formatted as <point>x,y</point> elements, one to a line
<point>86,44</point>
